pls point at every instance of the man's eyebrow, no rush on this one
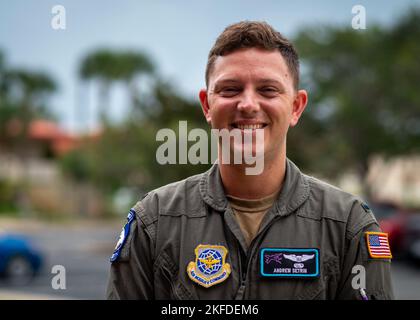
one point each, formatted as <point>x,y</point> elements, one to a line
<point>225,81</point>
<point>218,85</point>
<point>271,81</point>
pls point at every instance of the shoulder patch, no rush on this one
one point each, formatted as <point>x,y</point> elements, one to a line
<point>378,245</point>
<point>365,207</point>
<point>123,236</point>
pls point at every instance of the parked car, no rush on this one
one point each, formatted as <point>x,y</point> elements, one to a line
<point>412,236</point>
<point>20,260</point>
<point>393,221</point>
<point>402,226</point>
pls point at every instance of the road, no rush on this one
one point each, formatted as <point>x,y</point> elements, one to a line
<point>84,248</point>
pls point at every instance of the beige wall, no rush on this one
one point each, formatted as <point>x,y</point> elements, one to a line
<point>48,191</point>
<point>396,179</point>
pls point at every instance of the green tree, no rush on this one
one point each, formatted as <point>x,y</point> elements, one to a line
<point>26,94</point>
<point>125,155</point>
<point>2,85</point>
<point>23,96</point>
<point>106,66</point>
<point>364,96</point>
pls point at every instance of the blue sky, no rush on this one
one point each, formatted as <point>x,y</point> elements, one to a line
<point>177,35</point>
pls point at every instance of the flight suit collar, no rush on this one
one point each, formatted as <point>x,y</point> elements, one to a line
<point>295,190</point>
<point>212,190</point>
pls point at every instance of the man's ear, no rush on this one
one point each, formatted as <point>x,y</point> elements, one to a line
<point>299,105</point>
<point>205,104</point>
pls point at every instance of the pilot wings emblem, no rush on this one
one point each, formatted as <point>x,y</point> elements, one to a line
<point>299,258</point>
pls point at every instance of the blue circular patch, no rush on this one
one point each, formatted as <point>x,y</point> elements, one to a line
<point>365,207</point>
<point>209,262</point>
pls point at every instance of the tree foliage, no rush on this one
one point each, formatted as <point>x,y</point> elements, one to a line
<point>106,67</point>
<point>363,100</point>
<point>364,97</point>
<point>125,154</point>
<point>24,96</point>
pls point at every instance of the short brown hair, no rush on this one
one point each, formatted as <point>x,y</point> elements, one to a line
<point>254,34</point>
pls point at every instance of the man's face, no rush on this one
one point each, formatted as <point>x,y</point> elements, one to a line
<point>253,87</point>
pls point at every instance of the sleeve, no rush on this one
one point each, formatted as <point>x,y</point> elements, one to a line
<point>360,270</point>
<point>131,272</point>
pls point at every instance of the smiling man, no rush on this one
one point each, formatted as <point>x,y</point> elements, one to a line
<point>226,234</point>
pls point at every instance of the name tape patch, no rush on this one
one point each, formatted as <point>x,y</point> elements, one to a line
<point>289,262</point>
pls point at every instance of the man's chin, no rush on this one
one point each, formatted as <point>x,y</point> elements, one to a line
<point>246,154</point>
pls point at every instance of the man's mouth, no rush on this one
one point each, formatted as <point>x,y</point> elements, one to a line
<point>252,126</point>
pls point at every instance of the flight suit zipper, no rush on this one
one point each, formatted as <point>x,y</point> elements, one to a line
<point>243,271</point>
<point>242,262</point>
<point>242,275</point>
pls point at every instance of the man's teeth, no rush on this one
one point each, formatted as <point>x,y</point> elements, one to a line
<point>249,126</point>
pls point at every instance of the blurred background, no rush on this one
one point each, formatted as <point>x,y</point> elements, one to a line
<point>80,108</point>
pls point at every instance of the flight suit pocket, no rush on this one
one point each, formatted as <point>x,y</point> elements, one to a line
<point>326,285</point>
<point>169,281</point>
<point>313,292</point>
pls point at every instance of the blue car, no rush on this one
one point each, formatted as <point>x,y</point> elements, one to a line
<point>20,261</point>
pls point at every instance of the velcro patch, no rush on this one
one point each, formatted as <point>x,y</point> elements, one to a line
<point>209,267</point>
<point>123,236</point>
<point>365,207</point>
<point>378,245</point>
<point>289,262</point>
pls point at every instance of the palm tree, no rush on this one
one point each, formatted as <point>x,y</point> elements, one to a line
<point>107,66</point>
<point>1,77</point>
<point>28,91</point>
<point>23,94</point>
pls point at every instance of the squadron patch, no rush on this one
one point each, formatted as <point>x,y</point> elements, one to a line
<point>289,263</point>
<point>123,236</point>
<point>378,245</point>
<point>365,207</point>
<point>209,267</point>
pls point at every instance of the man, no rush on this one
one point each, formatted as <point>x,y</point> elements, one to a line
<point>225,234</point>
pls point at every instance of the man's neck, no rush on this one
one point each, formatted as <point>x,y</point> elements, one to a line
<point>241,185</point>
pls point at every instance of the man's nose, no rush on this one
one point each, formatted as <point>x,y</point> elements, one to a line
<point>248,102</point>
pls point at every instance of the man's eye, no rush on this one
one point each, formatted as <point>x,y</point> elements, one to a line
<point>231,91</point>
<point>269,91</point>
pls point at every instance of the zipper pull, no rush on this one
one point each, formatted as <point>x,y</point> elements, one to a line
<point>240,292</point>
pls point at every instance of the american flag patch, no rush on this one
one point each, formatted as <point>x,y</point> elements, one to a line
<point>378,245</point>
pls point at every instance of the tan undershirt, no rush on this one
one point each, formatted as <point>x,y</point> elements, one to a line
<point>249,213</point>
